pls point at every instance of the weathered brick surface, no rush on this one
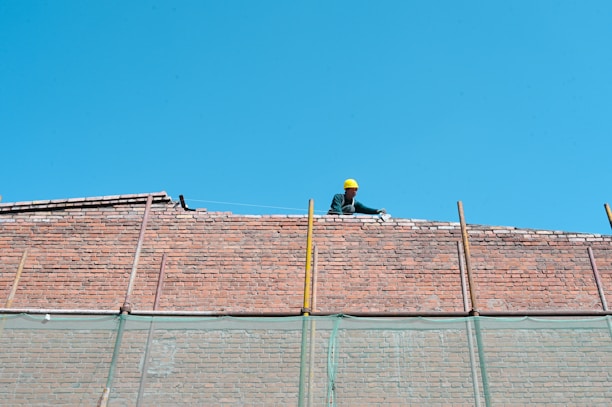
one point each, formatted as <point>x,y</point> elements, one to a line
<point>82,256</point>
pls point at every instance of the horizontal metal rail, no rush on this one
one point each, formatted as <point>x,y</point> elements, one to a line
<point>430,314</point>
<point>56,311</point>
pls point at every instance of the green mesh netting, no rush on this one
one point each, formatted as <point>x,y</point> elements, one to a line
<point>311,361</point>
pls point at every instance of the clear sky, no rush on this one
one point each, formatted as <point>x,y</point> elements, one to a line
<point>256,107</point>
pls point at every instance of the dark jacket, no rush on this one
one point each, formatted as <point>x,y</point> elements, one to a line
<point>339,206</point>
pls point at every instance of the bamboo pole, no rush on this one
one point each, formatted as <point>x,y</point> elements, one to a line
<point>307,281</point>
<point>143,227</point>
<point>11,296</point>
<point>306,305</point>
<point>113,364</point>
<point>466,249</point>
<point>313,329</point>
<point>600,289</point>
<point>468,325</point>
<point>474,312</point>
<point>126,307</point>
<point>9,300</point>
<point>145,364</point>
<point>609,213</point>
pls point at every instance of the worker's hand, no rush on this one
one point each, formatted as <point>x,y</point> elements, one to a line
<point>383,210</point>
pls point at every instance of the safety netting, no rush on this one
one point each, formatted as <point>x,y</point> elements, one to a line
<point>337,360</point>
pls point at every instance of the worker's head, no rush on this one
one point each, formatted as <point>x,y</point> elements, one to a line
<point>350,188</point>
<point>350,183</point>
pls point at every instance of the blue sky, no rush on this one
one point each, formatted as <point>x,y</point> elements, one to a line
<point>258,106</point>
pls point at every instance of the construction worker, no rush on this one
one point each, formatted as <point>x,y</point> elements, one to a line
<point>345,204</point>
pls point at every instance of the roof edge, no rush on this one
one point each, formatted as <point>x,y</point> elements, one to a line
<point>59,204</point>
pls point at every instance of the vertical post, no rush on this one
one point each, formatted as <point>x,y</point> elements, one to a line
<point>483,362</point>
<point>126,307</point>
<point>600,290</point>
<point>609,213</point>
<point>9,300</point>
<point>466,307</point>
<point>466,249</point>
<point>313,328</point>
<point>143,227</point>
<point>315,262</point>
<point>602,295</point>
<point>474,311</point>
<point>306,305</point>
<point>307,280</point>
<point>145,363</point>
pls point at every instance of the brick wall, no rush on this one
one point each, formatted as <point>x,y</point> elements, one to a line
<point>81,256</point>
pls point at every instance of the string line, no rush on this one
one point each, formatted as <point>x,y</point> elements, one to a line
<point>253,205</point>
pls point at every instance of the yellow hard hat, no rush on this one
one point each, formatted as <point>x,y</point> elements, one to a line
<point>350,183</point>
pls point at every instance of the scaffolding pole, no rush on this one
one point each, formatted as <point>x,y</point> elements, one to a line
<point>313,329</point>
<point>306,305</point>
<point>600,289</point>
<point>468,325</point>
<point>145,364</point>
<point>125,308</point>
<point>9,300</point>
<point>474,312</point>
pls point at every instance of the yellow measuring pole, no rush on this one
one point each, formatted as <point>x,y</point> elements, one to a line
<point>306,306</point>
<point>307,280</point>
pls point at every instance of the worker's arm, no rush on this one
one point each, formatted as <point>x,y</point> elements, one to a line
<point>360,208</point>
